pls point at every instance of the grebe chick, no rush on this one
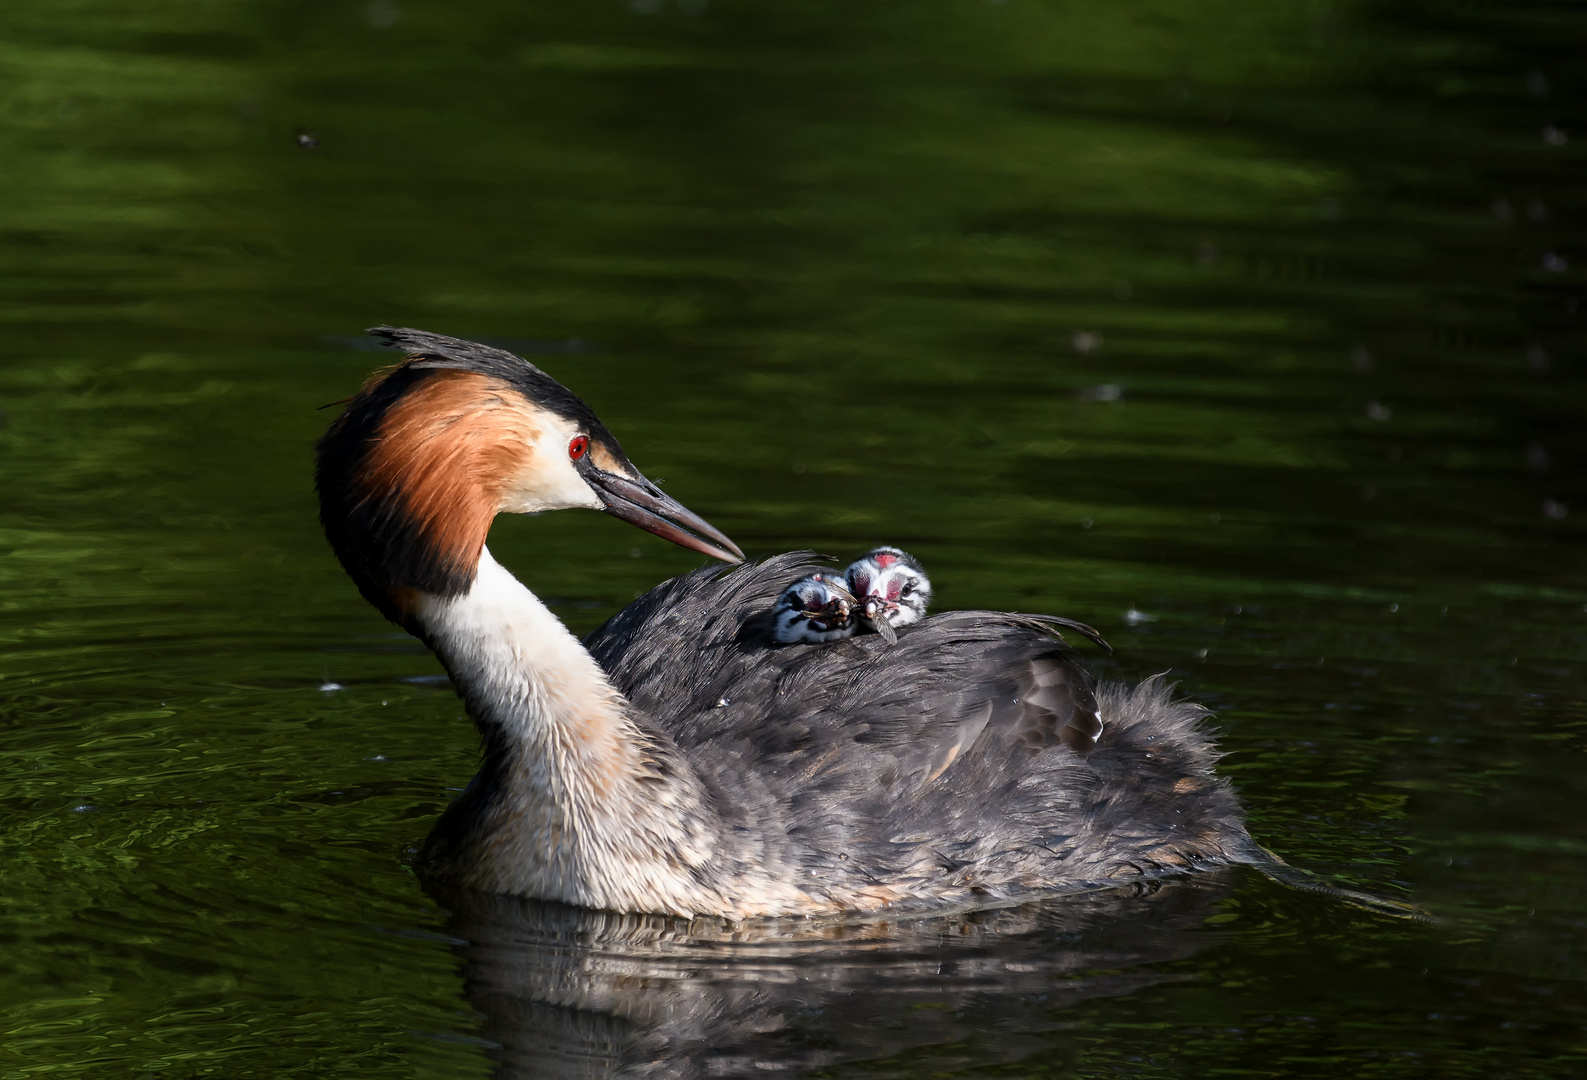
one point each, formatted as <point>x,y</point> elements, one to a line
<point>892,589</point>
<point>815,609</point>
<point>677,761</point>
<point>881,590</point>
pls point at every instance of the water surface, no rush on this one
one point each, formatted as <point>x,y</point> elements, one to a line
<point>1248,333</point>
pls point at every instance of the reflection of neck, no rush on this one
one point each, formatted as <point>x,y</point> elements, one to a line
<point>579,800</point>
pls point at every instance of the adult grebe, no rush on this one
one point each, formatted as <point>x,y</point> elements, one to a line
<point>679,761</point>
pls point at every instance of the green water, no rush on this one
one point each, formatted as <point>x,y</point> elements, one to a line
<point>1248,333</point>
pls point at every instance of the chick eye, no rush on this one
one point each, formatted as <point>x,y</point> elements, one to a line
<point>909,587</point>
<point>578,447</point>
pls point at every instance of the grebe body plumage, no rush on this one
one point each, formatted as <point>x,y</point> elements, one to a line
<point>682,760</point>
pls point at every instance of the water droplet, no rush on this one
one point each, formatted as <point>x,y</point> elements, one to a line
<point>1084,341</point>
<point>330,687</point>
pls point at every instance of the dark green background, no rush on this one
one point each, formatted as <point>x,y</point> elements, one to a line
<point>837,274</point>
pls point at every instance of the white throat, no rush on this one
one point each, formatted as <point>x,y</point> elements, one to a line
<point>513,661</point>
<point>577,800</point>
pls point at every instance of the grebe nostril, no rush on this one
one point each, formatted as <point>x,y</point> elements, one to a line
<point>672,762</point>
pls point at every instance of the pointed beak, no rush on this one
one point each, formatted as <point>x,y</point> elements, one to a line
<point>874,612</point>
<point>845,604</point>
<point>639,502</point>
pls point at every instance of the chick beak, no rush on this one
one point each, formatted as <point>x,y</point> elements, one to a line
<point>843,603</point>
<point>639,502</point>
<point>875,615</point>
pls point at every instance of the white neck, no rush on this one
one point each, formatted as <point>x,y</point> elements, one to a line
<point>576,802</point>
<point>520,670</point>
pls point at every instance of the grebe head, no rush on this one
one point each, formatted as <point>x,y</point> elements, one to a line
<point>425,456</point>
<point>814,609</point>
<point>891,587</point>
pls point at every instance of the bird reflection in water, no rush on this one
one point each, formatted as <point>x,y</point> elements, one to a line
<point>569,992</point>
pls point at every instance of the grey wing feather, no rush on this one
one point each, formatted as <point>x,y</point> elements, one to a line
<point>1043,623</point>
<point>918,706</point>
<point>969,759</point>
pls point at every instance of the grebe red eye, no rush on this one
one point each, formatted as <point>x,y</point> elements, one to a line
<point>578,446</point>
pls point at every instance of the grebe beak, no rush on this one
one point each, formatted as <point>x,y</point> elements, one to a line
<point>639,502</point>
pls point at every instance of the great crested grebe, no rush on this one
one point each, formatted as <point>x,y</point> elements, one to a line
<point>679,761</point>
<point>881,590</point>
<point>891,586</point>
<point>815,609</point>
<point>892,589</point>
